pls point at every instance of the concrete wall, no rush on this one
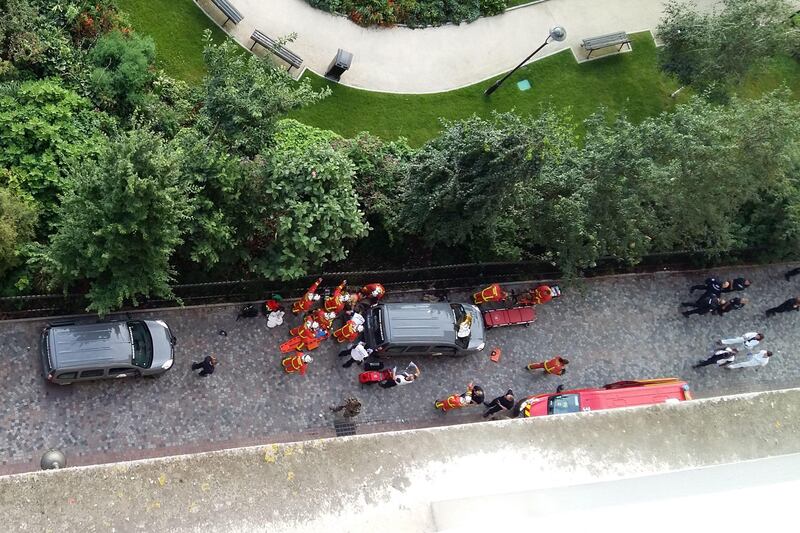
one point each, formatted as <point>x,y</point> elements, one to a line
<point>403,481</point>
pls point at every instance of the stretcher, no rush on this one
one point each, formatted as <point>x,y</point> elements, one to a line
<point>513,316</point>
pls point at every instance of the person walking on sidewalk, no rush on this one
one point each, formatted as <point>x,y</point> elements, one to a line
<point>703,305</point>
<point>726,306</point>
<point>501,403</point>
<point>721,357</point>
<point>557,366</point>
<point>357,354</point>
<point>792,304</point>
<point>712,285</point>
<point>749,340</point>
<point>351,408</point>
<point>208,365</point>
<point>738,284</point>
<point>757,359</point>
<point>790,274</point>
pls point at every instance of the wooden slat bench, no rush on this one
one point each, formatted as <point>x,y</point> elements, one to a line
<point>229,11</point>
<point>604,41</point>
<point>279,50</point>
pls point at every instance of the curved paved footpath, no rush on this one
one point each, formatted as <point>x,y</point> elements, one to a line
<point>436,59</point>
<point>615,328</point>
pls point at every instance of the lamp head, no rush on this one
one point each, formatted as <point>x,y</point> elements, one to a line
<point>558,33</point>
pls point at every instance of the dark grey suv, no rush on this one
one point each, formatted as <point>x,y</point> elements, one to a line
<point>424,329</point>
<point>81,352</point>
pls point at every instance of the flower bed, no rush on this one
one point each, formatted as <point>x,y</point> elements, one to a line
<point>414,13</point>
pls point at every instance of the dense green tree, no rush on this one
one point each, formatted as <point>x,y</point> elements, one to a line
<point>122,70</point>
<point>704,177</point>
<point>216,180</point>
<point>119,223</point>
<point>245,95</point>
<point>380,168</point>
<point>299,205</point>
<point>44,127</point>
<point>17,224</point>
<point>709,51</point>
<point>462,185</point>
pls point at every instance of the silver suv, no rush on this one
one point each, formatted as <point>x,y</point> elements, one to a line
<point>424,328</point>
<point>72,352</point>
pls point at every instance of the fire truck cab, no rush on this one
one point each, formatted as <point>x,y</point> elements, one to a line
<point>611,396</point>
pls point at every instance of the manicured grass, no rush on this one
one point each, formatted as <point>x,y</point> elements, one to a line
<point>629,81</point>
<point>177,28</point>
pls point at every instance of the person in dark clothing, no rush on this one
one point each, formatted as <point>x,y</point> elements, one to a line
<point>703,305</point>
<point>711,285</point>
<point>501,403</point>
<point>721,357</point>
<point>726,306</point>
<point>208,364</point>
<point>792,304</point>
<point>738,284</point>
<point>351,408</point>
<point>793,272</point>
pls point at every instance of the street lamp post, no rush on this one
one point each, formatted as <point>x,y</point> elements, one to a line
<point>557,33</point>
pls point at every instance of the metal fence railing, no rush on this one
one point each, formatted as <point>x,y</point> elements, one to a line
<point>429,277</point>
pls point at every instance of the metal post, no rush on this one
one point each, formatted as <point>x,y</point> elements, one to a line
<point>557,33</point>
<point>53,459</point>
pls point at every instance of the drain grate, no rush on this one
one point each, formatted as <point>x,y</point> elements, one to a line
<point>344,428</point>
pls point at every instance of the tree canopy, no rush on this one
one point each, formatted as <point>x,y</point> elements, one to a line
<point>710,50</point>
<point>120,223</point>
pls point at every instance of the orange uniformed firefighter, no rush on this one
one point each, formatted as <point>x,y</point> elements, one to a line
<point>296,363</point>
<point>334,302</point>
<point>324,319</point>
<point>492,293</point>
<point>473,396</point>
<point>541,294</point>
<point>349,332</point>
<point>556,365</point>
<point>305,330</point>
<point>304,304</point>
<point>376,291</point>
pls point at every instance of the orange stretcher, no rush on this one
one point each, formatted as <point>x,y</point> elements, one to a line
<point>514,316</point>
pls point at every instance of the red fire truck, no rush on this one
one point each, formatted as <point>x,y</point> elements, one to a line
<point>613,395</point>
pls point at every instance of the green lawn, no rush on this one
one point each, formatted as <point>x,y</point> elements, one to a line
<point>626,81</point>
<point>177,28</point>
<point>629,82</point>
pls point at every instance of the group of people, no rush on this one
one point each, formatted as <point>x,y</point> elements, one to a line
<point>318,323</point>
<point>712,301</point>
<point>727,350</point>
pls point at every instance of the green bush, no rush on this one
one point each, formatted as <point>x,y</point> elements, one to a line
<point>414,13</point>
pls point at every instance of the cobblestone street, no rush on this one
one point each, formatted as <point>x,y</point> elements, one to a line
<point>610,329</point>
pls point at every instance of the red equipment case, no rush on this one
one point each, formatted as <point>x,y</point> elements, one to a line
<point>374,376</point>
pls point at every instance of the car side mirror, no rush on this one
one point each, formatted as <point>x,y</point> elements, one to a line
<point>560,388</point>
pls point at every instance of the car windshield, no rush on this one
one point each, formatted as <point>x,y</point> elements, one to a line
<point>376,326</point>
<point>142,344</point>
<point>563,403</point>
<point>462,323</point>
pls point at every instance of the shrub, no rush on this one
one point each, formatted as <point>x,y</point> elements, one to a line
<point>414,13</point>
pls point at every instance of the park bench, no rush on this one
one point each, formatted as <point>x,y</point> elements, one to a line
<point>277,49</point>
<point>604,41</point>
<point>229,11</point>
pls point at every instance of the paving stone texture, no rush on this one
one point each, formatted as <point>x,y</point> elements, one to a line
<point>610,329</point>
